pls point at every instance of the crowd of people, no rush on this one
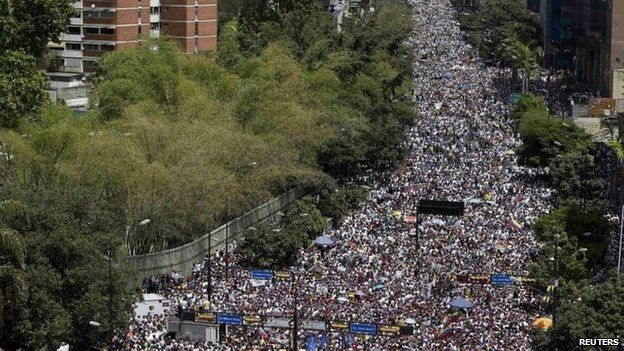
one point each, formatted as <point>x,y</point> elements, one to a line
<point>382,269</point>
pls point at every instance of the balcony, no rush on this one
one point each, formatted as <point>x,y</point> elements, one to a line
<point>75,21</point>
<point>99,37</point>
<point>70,54</point>
<point>70,37</point>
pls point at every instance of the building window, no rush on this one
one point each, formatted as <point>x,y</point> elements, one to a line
<point>155,26</point>
<point>140,30</point>
<point>107,30</point>
<point>107,47</point>
<point>73,30</point>
<point>99,14</point>
<point>92,30</point>
<point>154,10</point>
<point>72,46</point>
<point>94,47</point>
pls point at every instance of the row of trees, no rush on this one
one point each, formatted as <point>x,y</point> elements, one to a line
<point>504,32</point>
<point>573,239</point>
<point>187,141</point>
<point>53,230</point>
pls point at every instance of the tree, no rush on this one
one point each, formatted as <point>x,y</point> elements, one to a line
<point>543,138</point>
<point>229,54</point>
<point>6,22</point>
<point>21,88</point>
<point>591,312</point>
<point>524,58</point>
<point>495,22</point>
<point>37,22</point>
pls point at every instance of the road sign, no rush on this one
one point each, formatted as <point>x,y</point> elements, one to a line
<point>389,330</point>
<point>253,320</point>
<point>501,279</point>
<point>283,274</point>
<point>230,319</point>
<point>363,328</point>
<point>261,274</point>
<point>277,322</point>
<point>313,325</point>
<point>445,208</point>
<point>338,326</point>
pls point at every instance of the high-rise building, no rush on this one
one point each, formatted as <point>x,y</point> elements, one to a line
<point>106,25</point>
<point>587,36</point>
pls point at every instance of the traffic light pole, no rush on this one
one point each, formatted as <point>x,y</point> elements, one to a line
<point>295,337</point>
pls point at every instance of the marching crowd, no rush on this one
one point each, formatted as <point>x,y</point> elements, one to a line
<point>382,269</point>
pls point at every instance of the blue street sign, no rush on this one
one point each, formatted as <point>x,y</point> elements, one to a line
<point>362,328</point>
<point>501,279</point>
<point>230,319</point>
<point>261,274</point>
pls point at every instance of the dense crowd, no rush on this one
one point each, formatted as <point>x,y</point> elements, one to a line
<point>380,270</point>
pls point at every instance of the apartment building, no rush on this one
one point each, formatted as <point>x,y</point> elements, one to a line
<point>586,36</point>
<point>101,26</point>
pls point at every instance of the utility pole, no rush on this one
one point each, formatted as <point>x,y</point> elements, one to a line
<point>620,247</point>
<point>556,279</point>
<point>210,268</point>
<point>295,337</point>
<point>227,253</point>
<point>110,293</point>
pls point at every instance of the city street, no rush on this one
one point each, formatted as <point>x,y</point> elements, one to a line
<point>461,149</point>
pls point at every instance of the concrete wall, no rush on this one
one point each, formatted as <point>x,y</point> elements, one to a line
<point>182,258</point>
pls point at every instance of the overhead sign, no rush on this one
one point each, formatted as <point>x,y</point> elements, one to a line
<point>282,274</point>
<point>338,326</point>
<point>230,319</point>
<point>501,279</point>
<point>277,322</point>
<point>253,320</point>
<point>389,330</point>
<point>446,208</point>
<point>406,330</point>
<point>313,325</point>
<point>478,279</point>
<point>262,274</point>
<point>205,317</point>
<point>363,328</point>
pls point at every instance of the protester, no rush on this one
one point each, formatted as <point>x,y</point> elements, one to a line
<point>380,271</point>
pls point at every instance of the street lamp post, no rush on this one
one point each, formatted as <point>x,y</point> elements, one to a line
<point>210,268</point>
<point>110,292</point>
<point>295,337</point>
<point>620,247</point>
<point>227,253</point>
<point>556,279</point>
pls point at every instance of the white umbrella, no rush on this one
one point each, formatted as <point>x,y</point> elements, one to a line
<point>410,321</point>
